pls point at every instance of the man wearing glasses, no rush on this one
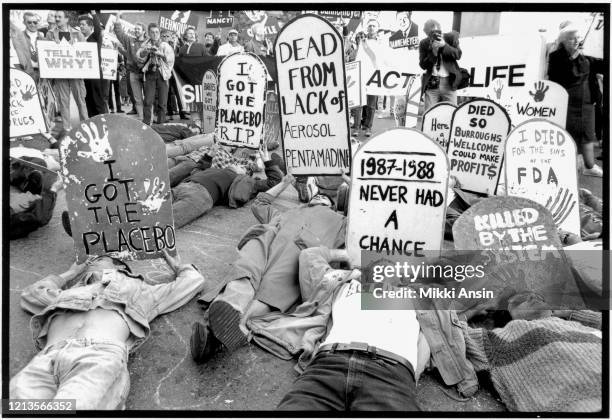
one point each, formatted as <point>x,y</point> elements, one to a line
<point>32,35</point>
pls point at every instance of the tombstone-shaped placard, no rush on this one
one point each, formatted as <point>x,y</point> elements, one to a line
<point>209,101</point>
<point>241,100</point>
<point>397,200</point>
<point>272,124</point>
<point>542,99</point>
<point>115,173</point>
<point>25,109</point>
<point>312,95</point>
<point>476,146</point>
<point>437,122</point>
<point>541,165</point>
<point>518,247</point>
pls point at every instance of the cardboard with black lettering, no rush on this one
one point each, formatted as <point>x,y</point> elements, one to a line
<point>241,100</point>
<point>397,199</point>
<point>25,108</point>
<point>272,131</point>
<point>68,61</point>
<point>115,174</point>
<point>312,96</point>
<point>108,63</point>
<point>541,165</point>
<point>476,145</point>
<point>209,101</point>
<point>219,19</point>
<point>437,122</point>
<point>517,247</point>
<point>177,20</point>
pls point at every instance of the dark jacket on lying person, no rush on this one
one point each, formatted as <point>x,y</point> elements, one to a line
<point>449,54</point>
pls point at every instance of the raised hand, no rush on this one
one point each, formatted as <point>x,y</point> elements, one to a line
<point>540,91</point>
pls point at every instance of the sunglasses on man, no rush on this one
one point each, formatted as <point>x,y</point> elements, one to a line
<point>32,22</point>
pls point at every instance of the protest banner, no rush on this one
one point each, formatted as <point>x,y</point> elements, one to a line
<point>109,62</point>
<point>219,19</point>
<point>68,61</point>
<point>25,108</point>
<point>241,100</point>
<point>397,199</point>
<point>117,189</point>
<point>476,145</point>
<point>312,96</point>
<point>541,165</point>
<point>272,126</point>
<point>387,71</point>
<point>493,57</point>
<point>593,40</point>
<point>518,247</point>
<point>209,101</point>
<point>437,122</point>
<point>354,87</point>
<point>177,20</point>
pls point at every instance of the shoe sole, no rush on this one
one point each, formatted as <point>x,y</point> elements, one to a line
<point>225,325</point>
<point>198,330</point>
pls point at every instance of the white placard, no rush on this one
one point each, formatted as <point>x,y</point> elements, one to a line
<point>437,123</point>
<point>209,101</point>
<point>354,85</point>
<point>108,63</point>
<point>25,109</point>
<point>68,61</point>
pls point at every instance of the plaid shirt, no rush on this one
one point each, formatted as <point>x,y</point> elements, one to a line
<point>222,158</point>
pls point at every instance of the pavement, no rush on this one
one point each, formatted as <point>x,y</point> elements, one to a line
<point>163,375</point>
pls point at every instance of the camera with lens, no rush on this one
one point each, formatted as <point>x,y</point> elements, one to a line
<point>436,35</point>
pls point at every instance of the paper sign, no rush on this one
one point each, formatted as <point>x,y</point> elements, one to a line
<point>108,63</point>
<point>437,123</point>
<point>354,87</point>
<point>519,248</point>
<point>594,36</point>
<point>398,195</point>
<point>241,100</point>
<point>25,108</point>
<point>272,130</point>
<point>209,101</point>
<point>476,146</point>
<point>177,20</point>
<point>219,19</point>
<point>541,165</point>
<point>312,94</point>
<point>117,189</point>
<point>541,99</point>
<point>68,61</point>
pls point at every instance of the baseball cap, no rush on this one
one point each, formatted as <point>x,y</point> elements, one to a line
<point>232,31</point>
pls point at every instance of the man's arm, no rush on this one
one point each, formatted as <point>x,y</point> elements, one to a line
<point>451,53</point>
<point>315,263</point>
<point>262,207</point>
<point>476,340</point>
<point>588,318</point>
<point>122,36</point>
<point>273,177</point>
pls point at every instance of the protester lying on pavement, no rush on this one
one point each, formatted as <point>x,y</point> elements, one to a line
<point>542,360</point>
<point>85,322</point>
<point>228,184</point>
<point>170,132</point>
<point>265,275</point>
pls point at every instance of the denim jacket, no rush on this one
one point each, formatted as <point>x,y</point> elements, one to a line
<point>130,295</point>
<point>300,332</point>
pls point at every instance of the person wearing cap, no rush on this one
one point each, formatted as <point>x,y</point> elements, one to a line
<point>578,75</point>
<point>85,323</point>
<point>231,46</point>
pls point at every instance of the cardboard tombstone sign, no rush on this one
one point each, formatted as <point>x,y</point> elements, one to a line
<point>541,99</point>
<point>241,100</point>
<point>476,145</point>
<point>209,101</point>
<point>117,189</point>
<point>25,108</point>
<point>312,96</point>
<point>541,165</point>
<point>272,130</point>
<point>518,247</point>
<point>437,122</point>
<point>397,199</point>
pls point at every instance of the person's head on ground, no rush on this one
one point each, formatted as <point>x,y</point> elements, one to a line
<point>92,270</point>
<point>320,200</point>
<point>529,306</point>
<point>86,25</point>
<point>31,21</point>
<point>154,32</point>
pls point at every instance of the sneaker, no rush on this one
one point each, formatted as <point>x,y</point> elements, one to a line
<point>132,112</point>
<point>368,133</point>
<point>203,343</point>
<point>594,171</point>
<point>66,223</point>
<point>225,324</point>
<point>184,115</point>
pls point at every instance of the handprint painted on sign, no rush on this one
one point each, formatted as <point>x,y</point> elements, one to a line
<point>562,205</point>
<point>155,196</point>
<point>100,149</point>
<point>498,87</point>
<point>540,91</point>
<point>29,93</point>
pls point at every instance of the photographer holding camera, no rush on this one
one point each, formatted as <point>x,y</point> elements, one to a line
<point>438,55</point>
<point>159,60</point>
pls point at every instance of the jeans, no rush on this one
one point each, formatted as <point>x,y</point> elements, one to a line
<point>190,201</point>
<point>368,112</point>
<point>97,96</point>
<point>444,93</point>
<point>91,371</point>
<point>352,381</point>
<point>136,82</point>
<point>188,145</point>
<point>155,83</point>
<point>62,89</point>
